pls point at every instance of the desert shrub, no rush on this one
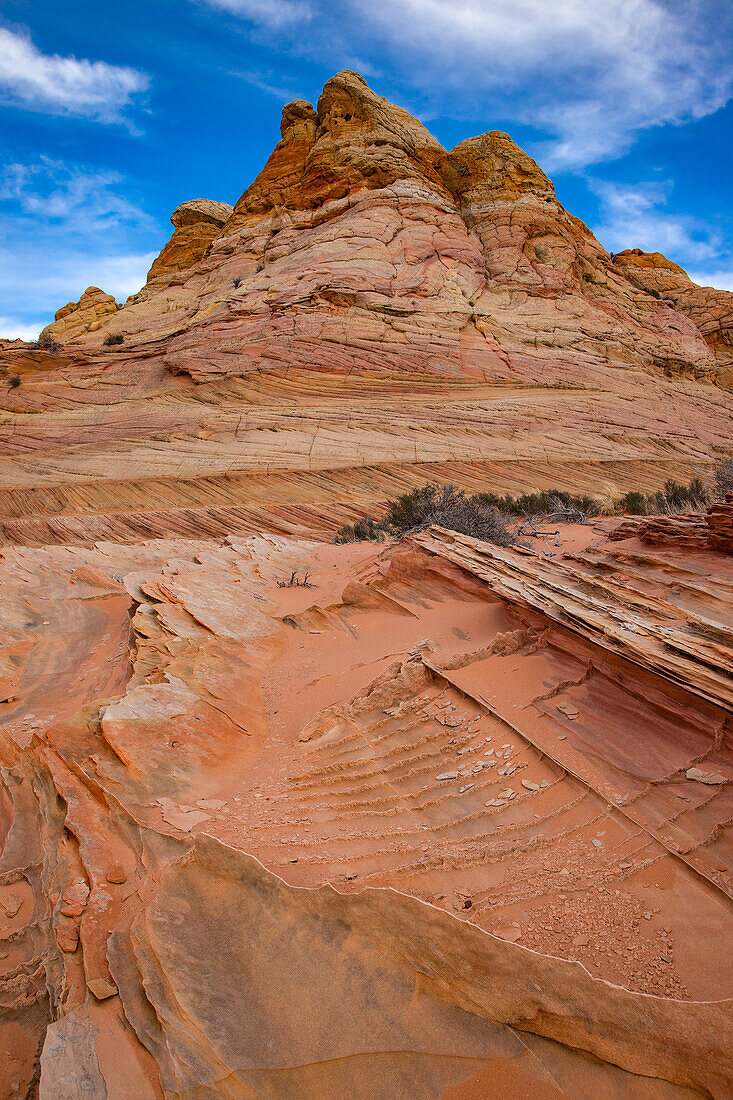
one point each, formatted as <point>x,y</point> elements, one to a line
<point>543,503</point>
<point>364,530</point>
<point>411,510</point>
<point>236,282</point>
<point>113,338</point>
<point>674,497</point>
<point>47,343</point>
<point>633,504</point>
<point>439,505</point>
<point>723,478</point>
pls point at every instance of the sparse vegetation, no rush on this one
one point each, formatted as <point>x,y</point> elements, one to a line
<point>489,516</point>
<point>236,282</point>
<point>433,505</point>
<point>14,381</point>
<point>674,497</point>
<point>113,338</point>
<point>723,478</point>
<point>295,582</point>
<point>546,502</point>
<point>47,343</point>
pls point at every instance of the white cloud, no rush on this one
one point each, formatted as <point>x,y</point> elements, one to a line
<point>36,282</point>
<point>11,328</point>
<point>75,198</point>
<point>65,85</point>
<point>266,85</point>
<point>273,14</point>
<point>721,280</point>
<point>64,228</point>
<point>634,216</point>
<point>592,74</point>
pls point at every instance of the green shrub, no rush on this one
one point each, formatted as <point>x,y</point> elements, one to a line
<point>543,503</point>
<point>364,530</point>
<point>674,497</point>
<point>113,338</point>
<point>633,504</point>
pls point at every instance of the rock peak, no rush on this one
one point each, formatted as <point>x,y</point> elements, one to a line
<point>201,210</point>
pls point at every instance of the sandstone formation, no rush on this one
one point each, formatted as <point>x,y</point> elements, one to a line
<point>719,519</point>
<point>373,313</point>
<point>686,529</point>
<point>711,310</point>
<point>195,223</point>
<point>285,819</point>
<point>76,319</point>
<point>711,530</point>
<point>438,825</point>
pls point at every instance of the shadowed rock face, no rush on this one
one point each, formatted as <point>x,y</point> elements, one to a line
<point>196,223</point>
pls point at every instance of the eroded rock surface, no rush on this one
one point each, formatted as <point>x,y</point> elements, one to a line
<point>195,224</point>
<point>437,820</point>
<point>432,826</point>
<point>711,310</point>
<point>77,319</point>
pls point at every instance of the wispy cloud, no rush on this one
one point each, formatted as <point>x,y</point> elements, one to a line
<point>75,198</point>
<point>63,228</point>
<point>592,74</point>
<point>13,328</point>
<point>266,84</point>
<point>721,279</point>
<point>273,14</point>
<point>65,85</point>
<point>636,216</point>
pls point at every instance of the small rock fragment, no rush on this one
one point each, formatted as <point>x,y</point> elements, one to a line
<point>711,778</point>
<point>101,988</point>
<point>11,904</point>
<point>67,937</point>
<point>509,932</point>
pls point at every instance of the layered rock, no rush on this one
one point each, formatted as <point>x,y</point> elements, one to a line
<point>710,310</point>
<point>284,818</point>
<point>684,530</point>
<point>195,224</point>
<point>447,796</point>
<point>376,312</point>
<point>719,519</point>
<point>88,315</point>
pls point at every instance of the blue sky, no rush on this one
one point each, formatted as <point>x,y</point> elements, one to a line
<point>111,115</point>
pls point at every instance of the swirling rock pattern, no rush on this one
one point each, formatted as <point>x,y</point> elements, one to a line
<point>437,825</point>
<point>375,311</point>
<point>285,819</point>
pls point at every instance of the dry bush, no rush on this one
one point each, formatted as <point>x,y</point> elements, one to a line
<point>723,478</point>
<point>674,497</point>
<point>433,505</point>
